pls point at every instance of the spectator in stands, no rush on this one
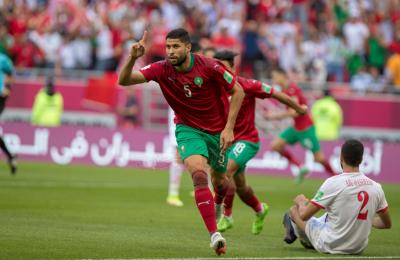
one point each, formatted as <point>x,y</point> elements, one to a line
<point>361,81</point>
<point>131,109</point>
<point>6,39</point>
<point>376,50</point>
<point>328,117</point>
<point>379,81</point>
<point>109,46</point>
<point>48,106</point>
<point>25,53</point>
<point>49,43</point>
<point>336,53</point>
<point>393,63</point>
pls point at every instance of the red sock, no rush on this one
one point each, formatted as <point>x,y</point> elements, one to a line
<point>205,204</point>
<point>328,168</point>
<point>248,197</point>
<point>220,191</point>
<point>289,156</point>
<point>228,201</point>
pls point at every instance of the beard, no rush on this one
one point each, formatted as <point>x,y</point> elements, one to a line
<point>179,61</point>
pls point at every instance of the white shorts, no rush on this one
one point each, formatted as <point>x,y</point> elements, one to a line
<point>171,128</point>
<point>315,231</point>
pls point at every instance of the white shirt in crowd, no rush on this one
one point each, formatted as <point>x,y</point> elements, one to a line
<point>356,33</point>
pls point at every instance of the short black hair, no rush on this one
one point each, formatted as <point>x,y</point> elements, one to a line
<point>180,34</point>
<point>226,55</point>
<point>352,152</point>
<point>279,69</point>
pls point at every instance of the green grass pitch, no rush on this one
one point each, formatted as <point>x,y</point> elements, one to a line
<point>68,212</point>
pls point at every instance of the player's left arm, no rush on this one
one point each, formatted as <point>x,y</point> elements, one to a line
<point>292,103</point>
<point>306,209</point>
<point>227,136</point>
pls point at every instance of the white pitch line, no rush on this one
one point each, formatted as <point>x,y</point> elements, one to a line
<point>266,258</point>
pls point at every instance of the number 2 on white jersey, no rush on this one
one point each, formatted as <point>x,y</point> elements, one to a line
<point>363,197</point>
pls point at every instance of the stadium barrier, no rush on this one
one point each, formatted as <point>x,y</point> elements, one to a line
<point>151,149</point>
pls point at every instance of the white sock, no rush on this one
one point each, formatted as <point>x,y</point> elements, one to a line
<point>175,174</point>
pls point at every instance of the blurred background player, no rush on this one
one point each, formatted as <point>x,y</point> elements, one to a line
<point>176,168</point>
<point>197,89</point>
<point>353,203</point>
<point>245,147</point>
<point>328,117</point>
<point>6,71</point>
<point>303,130</point>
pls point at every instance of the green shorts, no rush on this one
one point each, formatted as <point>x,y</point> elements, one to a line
<point>307,138</point>
<point>192,141</point>
<point>241,152</point>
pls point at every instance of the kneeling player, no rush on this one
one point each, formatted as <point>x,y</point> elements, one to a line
<point>353,203</point>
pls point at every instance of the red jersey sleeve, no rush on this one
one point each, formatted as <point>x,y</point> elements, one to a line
<point>256,88</point>
<point>222,75</point>
<point>152,71</point>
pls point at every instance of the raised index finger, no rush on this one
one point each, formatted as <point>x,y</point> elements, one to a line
<point>144,38</point>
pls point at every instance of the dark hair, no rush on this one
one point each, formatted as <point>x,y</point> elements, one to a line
<point>279,70</point>
<point>180,34</point>
<point>352,152</point>
<point>226,55</point>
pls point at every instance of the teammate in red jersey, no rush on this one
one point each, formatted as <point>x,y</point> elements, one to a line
<point>197,89</point>
<point>303,130</point>
<point>246,146</point>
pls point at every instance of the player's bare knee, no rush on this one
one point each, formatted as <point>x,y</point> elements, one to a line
<point>200,179</point>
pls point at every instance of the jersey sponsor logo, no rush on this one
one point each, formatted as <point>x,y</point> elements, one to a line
<point>228,77</point>
<point>318,196</point>
<point>198,81</point>
<point>266,88</point>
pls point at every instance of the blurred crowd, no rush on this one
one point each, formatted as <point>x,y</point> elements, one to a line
<point>355,41</point>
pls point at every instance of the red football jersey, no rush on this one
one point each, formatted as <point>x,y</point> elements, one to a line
<point>245,128</point>
<point>304,121</point>
<point>199,97</point>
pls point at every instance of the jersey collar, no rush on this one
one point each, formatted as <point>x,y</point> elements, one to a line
<point>190,65</point>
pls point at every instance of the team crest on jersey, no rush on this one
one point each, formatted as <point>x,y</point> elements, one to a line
<point>198,81</point>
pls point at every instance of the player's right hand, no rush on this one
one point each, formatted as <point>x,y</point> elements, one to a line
<point>138,49</point>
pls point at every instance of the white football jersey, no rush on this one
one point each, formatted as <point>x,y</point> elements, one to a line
<point>171,127</point>
<point>351,201</point>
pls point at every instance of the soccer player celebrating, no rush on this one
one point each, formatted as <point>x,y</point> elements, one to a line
<point>246,147</point>
<point>197,89</point>
<point>353,203</point>
<point>303,130</point>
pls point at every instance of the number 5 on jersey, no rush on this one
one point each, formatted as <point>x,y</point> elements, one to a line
<point>188,93</point>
